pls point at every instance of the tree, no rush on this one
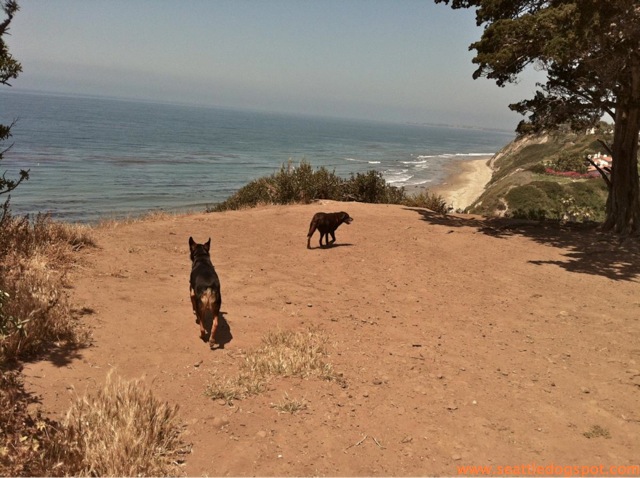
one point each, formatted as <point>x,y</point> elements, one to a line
<point>9,69</point>
<point>590,51</point>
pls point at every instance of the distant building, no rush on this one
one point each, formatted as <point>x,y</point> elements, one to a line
<point>602,160</point>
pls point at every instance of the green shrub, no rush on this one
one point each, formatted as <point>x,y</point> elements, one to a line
<point>301,184</point>
<point>326,184</point>
<point>427,200</point>
<point>538,168</point>
<point>370,187</point>
<point>528,202</point>
<point>567,161</point>
<point>575,201</point>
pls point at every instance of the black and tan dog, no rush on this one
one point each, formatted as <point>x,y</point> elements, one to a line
<point>204,288</point>
<point>327,223</point>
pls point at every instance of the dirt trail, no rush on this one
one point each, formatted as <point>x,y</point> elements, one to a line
<point>461,343</point>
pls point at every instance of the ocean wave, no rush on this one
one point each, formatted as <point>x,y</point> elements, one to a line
<point>368,161</point>
<point>393,177</point>
<point>420,181</point>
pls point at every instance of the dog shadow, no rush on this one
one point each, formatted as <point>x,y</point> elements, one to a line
<point>331,246</point>
<point>223,334</point>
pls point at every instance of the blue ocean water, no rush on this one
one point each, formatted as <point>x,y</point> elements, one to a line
<point>93,158</point>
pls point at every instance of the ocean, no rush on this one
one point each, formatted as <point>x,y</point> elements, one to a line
<point>98,158</point>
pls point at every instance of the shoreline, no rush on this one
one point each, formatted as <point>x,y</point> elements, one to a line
<point>465,182</point>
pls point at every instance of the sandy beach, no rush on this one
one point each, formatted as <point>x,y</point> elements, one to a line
<point>465,183</point>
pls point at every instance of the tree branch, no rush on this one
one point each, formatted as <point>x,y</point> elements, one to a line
<point>606,146</point>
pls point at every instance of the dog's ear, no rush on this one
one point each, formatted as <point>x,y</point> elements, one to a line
<point>192,244</point>
<point>207,245</point>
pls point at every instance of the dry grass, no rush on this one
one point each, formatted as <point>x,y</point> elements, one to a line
<point>235,388</point>
<point>113,223</point>
<point>596,431</point>
<point>35,257</point>
<point>121,431</point>
<point>290,405</point>
<point>283,353</point>
<point>24,438</point>
<point>288,354</point>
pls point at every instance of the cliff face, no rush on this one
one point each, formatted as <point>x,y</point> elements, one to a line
<point>520,188</point>
<point>515,146</point>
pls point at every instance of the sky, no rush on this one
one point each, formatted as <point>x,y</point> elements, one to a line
<point>387,60</point>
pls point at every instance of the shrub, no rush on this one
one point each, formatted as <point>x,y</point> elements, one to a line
<point>575,201</point>
<point>34,259</point>
<point>427,200</point>
<point>567,161</point>
<point>326,184</point>
<point>301,184</point>
<point>25,439</point>
<point>528,202</point>
<point>370,187</point>
<point>121,431</point>
<point>538,168</point>
<point>251,195</point>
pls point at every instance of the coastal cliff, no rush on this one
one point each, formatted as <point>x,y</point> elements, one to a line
<point>520,185</point>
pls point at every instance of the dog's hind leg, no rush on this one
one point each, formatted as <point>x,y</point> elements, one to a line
<point>205,322</point>
<point>217,303</point>
<point>333,238</point>
<point>214,328</point>
<point>192,294</point>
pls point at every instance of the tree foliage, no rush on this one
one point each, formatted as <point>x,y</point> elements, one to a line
<point>9,69</point>
<point>590,51</point>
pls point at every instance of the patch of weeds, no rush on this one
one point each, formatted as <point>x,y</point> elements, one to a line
<point>235,388</point>
<point>596,431</point>
<point>123,430</point>
<point>290,405</point>
<point>291,354</point>
<point>283,353</point>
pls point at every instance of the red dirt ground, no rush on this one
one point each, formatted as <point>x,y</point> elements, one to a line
<point>461,342</point>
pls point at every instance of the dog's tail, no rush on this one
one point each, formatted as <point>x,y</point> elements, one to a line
<point>208,300</point>
<point>312,227</point>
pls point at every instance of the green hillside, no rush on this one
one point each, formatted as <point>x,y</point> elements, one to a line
<point>520,186</point>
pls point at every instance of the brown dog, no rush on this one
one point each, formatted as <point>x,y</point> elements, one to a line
<point>204,289</point>
<point>327,223</point>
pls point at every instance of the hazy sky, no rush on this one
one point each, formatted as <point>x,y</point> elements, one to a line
<point>395,60</point>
